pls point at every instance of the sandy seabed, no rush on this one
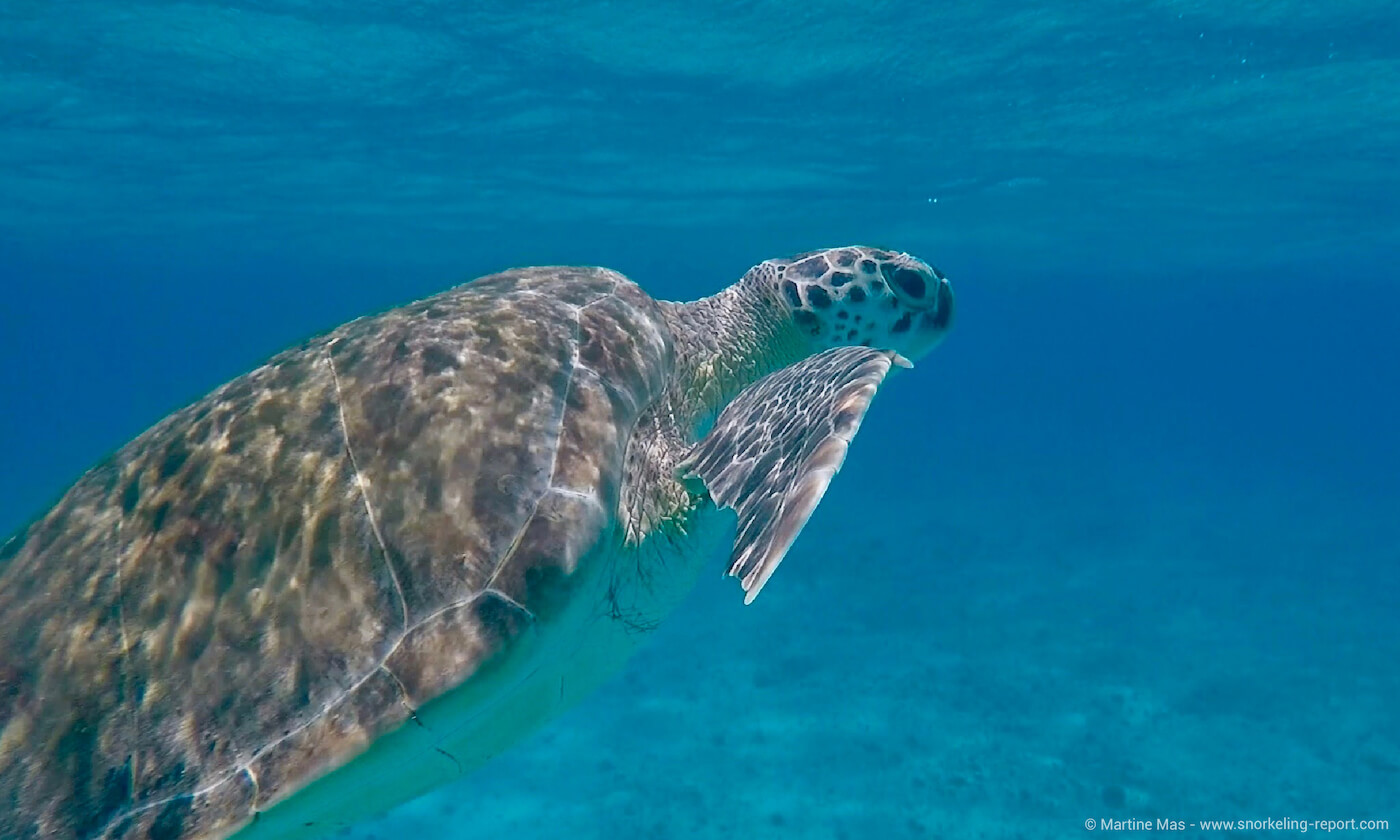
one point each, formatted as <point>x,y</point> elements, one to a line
<point>991,663</point>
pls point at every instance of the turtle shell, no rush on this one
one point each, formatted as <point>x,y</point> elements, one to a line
<point>245,597</point>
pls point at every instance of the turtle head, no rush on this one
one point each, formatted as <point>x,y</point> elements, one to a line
<point>864,296</point>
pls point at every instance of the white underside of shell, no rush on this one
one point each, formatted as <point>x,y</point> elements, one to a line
<point>549,670</point>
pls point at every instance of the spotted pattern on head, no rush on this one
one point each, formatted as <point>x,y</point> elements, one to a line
<point>864,296</point>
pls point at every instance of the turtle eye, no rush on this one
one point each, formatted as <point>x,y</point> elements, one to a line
<point>913,283</point>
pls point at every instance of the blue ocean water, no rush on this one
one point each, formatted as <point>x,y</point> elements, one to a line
<point>1126,547</point>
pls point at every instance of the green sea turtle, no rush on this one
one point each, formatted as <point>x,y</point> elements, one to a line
<point>381,558</point>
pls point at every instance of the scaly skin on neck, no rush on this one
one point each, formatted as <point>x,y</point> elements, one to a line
<point>725,343</point>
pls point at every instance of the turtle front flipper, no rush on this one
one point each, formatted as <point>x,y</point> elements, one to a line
<point>774,449</point>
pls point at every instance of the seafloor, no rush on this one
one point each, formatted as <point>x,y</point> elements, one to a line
<point>968,651</point>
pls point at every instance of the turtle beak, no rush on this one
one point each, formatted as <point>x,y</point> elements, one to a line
<point>941,316</point>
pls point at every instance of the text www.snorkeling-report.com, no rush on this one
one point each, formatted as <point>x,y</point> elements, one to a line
<point>1286,824</point>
